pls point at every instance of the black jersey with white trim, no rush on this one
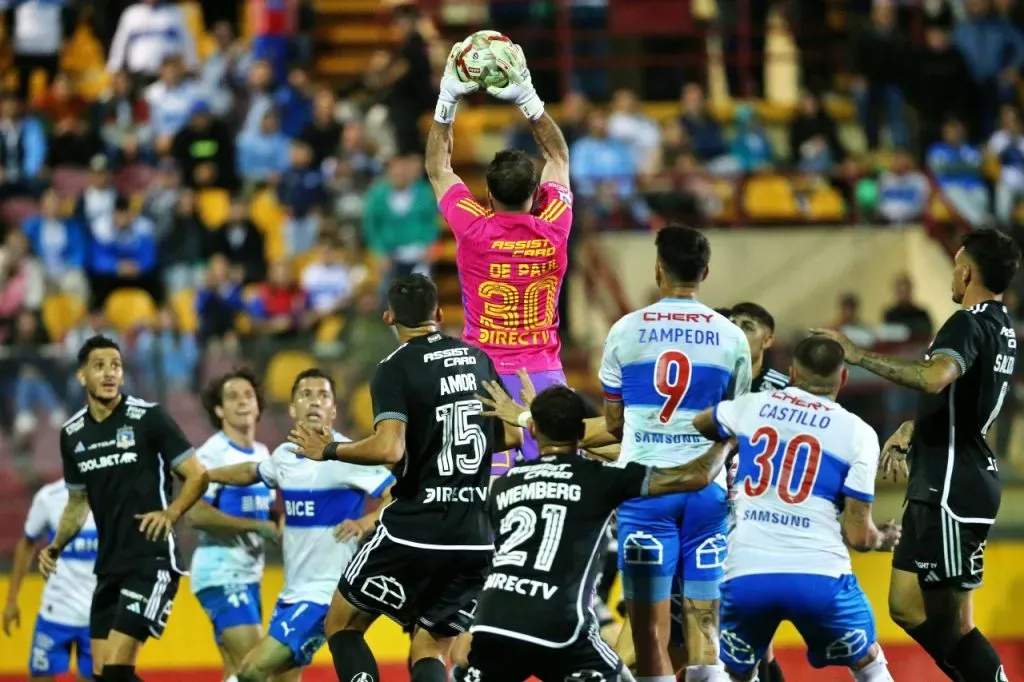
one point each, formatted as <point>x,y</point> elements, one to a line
<point>124,463</point>
<point>440,493</point>
<point>950,463</point>
<point>550,517</point>
<point>769,380</point>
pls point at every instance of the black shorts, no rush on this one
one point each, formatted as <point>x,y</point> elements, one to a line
<point>426,588</point>
<point>942,551</point>
<point>137,604</point>
<point>496,658</point>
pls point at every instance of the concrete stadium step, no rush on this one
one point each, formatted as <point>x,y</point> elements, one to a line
<point>362,33</point>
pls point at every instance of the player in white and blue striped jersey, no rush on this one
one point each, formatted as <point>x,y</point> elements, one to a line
<point>662,365</point>
<point>62,623</point>
<point>324,519</point>
<point>227,565</point>
<point>803,459</point>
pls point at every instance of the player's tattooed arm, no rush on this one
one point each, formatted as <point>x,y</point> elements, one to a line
<point>693,475</point>
<point>241,474</point>
<point>438,159</point>
<point>860,532</point>
<point>76,511</point>
<point>553,148</point>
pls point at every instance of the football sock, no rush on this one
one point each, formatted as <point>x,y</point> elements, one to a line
<point>924,635</point>
<point>118,673</point>
<point>429,670</point>
<point>775,672</point>
<point>352,656</point>
<point>458,673</point>
<point>875,671</point>
<point>657,678</point>
<point>976,659</point>
<point>625,674</point>
<point>706,673</point>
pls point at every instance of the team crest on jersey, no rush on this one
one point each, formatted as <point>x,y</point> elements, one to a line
<point>125,437</point>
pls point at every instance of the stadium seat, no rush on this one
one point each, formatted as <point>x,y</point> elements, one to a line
<point>300,261</point>
<point>269,218</point>
<point>282,370</point>
<point>454,316</point>
<point>69,181</point>
<point>826,204</point>
<point>329,329</point>
<point>128,308</point>
<point>938,209</point>
<point>213,206</point>
<point>183,303</point>
<point>134,179</point>
<point>60,313</point>
<point>193,12</point>
<point>15,211</point>
<point>360,408</point>
<point>770,197</point>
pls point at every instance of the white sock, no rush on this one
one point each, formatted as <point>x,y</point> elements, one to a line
<point>626,675</point>
<point>875,671</point>
<point>657,678</point>
<point>706,673</point>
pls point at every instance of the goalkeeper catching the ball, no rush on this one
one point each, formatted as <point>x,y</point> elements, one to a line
<point>511,252</point>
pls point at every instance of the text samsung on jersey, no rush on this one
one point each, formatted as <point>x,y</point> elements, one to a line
<point>678,334</point>
<point>453,357</point>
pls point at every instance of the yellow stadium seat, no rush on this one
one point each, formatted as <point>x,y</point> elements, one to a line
<point>770,197</point>
<point>282,370</point>
<point>360,408</point>
<point>454,315</point>
<point>330,329</point>
<point>269,218</point>
<point>938,209</point>
<point>128,308</point>
<point>991,167</point>
<point>183,303</point>
<point>83,51</point>
<point>726,193</point>
<point>214,207</point>
<point>61,312</point>
<point>301,260</point>
<point>826,204</point>
<point>194,24</point>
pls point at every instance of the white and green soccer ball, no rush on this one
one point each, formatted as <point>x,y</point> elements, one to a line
<point>477,59</point>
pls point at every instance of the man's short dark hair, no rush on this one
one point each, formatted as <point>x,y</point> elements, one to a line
<point>213,394</point>
<point>312,373</point>
<point>511,178</point>
<point>756,312</point>
<point>412,299</point>
<point>996,255</point>
<point>724,312</point>
<point>98,342</point>
<point>558,413</point>
<point>684,252</point>
<point>819,355</point>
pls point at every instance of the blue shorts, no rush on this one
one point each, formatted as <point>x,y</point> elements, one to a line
<point>300,627</point>
<point>230,606</point>
<point>673,536</point>
<point>51,649</point>
<point>832,615</point>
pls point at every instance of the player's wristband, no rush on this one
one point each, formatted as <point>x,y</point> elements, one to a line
<point>532,107</point>
<point>524,419</point>
<point>330,451</point>
<point>444,112</point>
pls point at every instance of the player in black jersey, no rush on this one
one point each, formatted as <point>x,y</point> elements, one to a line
<point>118,454</point>
<point>759,327</point>
<point>550,515</point>
<point>429,556</point>
<point>953,493</point>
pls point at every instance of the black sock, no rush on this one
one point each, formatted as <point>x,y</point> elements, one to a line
<point>352,656</point>
<point>118,673</point>
<point>96,677</point>
<point>976,659</point>
<point>925,635</point>
<point>775,671</point>
<point>764,671</point>
<point>458,673</point>
<point>429,670</point>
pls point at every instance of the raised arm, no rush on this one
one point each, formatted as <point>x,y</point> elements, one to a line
<point>76,511</point>
<point>553,148</point>
<point>439,158</point>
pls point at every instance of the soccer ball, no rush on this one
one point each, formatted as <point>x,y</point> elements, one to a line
<point>476,61</point>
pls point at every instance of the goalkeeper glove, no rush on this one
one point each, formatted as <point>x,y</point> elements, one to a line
<point>512,62</point>
<point>452,89</point>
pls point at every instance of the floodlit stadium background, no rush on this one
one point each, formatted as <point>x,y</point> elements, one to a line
<point>819,238</point>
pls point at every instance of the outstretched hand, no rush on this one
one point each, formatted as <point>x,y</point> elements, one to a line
<point>310,440</point>
<point>452,88</point>
<point>500,403</point>
<point>528,392</point>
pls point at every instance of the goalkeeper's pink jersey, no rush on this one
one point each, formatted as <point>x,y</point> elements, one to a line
<point>511,266</point>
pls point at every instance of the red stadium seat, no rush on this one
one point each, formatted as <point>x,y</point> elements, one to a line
<point>69,181</point>
<point>15,211</point>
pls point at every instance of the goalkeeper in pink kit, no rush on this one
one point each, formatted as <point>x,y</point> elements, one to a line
<point>512,253</point>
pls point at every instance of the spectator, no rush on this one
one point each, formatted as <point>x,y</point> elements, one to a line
<point>60,245</point>
<point>171,101</point>
<point>263,155</point>
<point>74,142</point>
<point>183,247</point>
<point>22,285</point>
<point>303,196</point>
<point>95,208</point>
<point>95,322</point>
<point>573,121</point>
<point>597,158</point>
<point>23,150</point>
<point>674,144</point>
<point>323,132</point>
<point>279,309</point>
<point>400,219</point>
<point>205,150</point>
<point>161,198</point>
<point>956,166</point>
<point>1007,145</point>
<point>39,30</point>
<point>365,339</point>
<point>274,23</point>
<point>878,54</point>
<point>814,145</point>
<point>849,312</point>
<point>242,244</point>
<point>218,302</point>
<point>294,101</point>
<point>994,50</point>
<point>129,259</point>
<point>704,132</point>
<point>412,87</point>
<point>165,356</point>
<point>258,97</point>
<point>147,33</point>
<point>751,147</point>
<point>220,70</point>
<point>903,191</point>
<point>121,115</point>
<point>352,172</point>
<point>940,85</point>
<point>61,101</point>
<point>628,124</point>
<point>329,281</point>
<point>34,395</point>
<point>905,312</point>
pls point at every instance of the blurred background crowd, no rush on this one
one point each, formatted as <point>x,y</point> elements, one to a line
<point>223,182</point>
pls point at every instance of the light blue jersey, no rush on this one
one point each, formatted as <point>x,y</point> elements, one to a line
<point>665,363</point>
